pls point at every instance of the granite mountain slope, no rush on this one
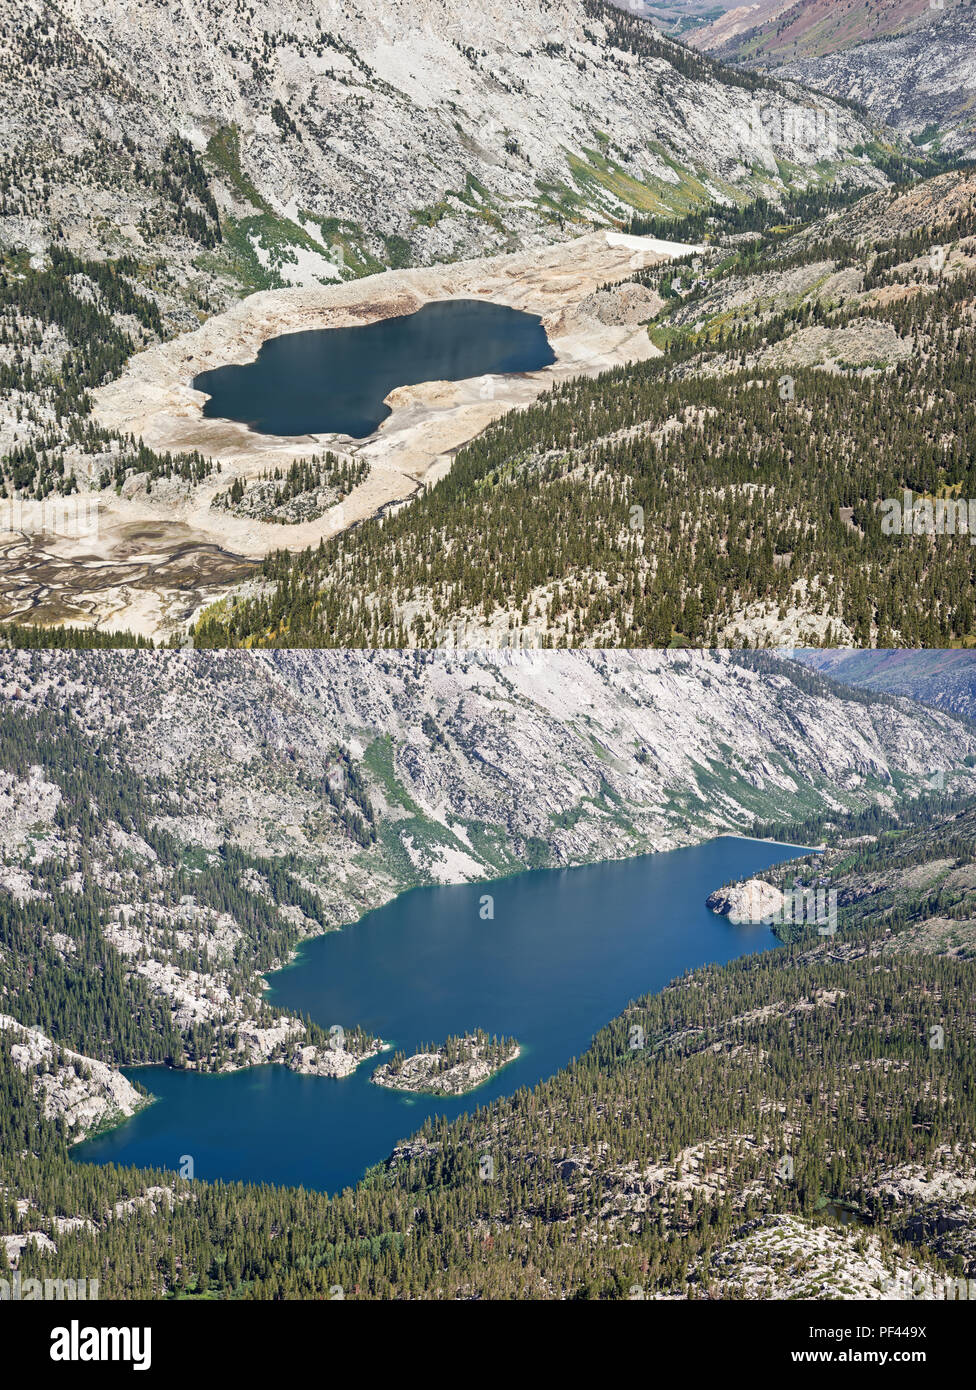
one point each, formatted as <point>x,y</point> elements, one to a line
<point>337,137</point>
<point>910,63</point>
<point>921,82</point>
<point>772,32</point>
<point>176,824</point>
<point>946,679</point>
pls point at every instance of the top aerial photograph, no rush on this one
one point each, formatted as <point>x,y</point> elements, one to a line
<point>559,323</point>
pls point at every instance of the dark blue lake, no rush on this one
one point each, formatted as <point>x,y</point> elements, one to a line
<point>565,953</point>
<point>335,380</point>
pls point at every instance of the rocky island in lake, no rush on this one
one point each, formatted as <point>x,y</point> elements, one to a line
<point>753,900</point>
<point>454,1068</point>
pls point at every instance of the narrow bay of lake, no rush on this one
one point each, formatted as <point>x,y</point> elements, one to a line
<point>335,380</point>
<point>564,953</point>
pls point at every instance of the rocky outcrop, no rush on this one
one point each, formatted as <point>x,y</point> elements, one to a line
<point>338,1061</point>
<point>12,1247</point>
<point>786,1257</point>
<point>461,1065</point>
<point>750,901</point>
<point>862,343</point>
<point>82,1093</point>
<point>623,304</point>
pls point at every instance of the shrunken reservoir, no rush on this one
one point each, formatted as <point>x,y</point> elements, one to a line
<point>335,380</point>
<point>564,953</point>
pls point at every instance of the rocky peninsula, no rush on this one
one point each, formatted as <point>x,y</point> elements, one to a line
<point>459,1065</point>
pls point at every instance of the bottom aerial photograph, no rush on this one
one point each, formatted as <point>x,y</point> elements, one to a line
<point>488,975</point>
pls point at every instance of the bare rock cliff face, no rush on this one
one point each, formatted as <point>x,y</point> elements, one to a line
<point>595,754</point>
<point>914,82</point>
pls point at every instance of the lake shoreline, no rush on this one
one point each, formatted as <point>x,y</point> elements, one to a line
<point>565,954</point>
<point>296,959</point>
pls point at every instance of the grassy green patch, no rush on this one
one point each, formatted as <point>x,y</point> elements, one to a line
<point>378,758</point>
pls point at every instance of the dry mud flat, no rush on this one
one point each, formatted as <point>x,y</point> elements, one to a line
<point>154,559</point>
<point>128,576</point>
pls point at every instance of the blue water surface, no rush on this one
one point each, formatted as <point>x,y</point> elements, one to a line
<point>335,380</point>
<point>564,953</point>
